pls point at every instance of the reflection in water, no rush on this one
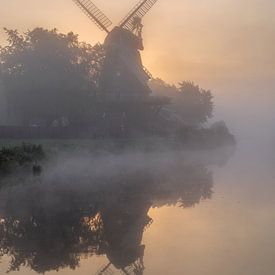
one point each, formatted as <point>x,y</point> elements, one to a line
<point>50,226</point>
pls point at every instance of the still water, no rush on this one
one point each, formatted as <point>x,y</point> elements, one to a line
<point>166,213</point>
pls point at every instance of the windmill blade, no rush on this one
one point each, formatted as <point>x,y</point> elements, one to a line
<point>139,10</point>
<point>105,270</point>
<point>94,13</point>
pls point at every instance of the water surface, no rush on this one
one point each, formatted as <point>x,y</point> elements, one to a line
<point>156,213</point>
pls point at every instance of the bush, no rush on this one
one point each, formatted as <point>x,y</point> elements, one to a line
<point>12,158</point>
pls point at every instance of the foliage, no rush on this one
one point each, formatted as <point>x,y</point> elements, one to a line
<point>52,79</point>
<point>197,105</point>
<point>191,103</point>
<point>217,135</point>
<point>48,75</point>
<point>18,156</point>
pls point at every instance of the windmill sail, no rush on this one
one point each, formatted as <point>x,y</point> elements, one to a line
<point>93,12</point>
<point>139,10</point>
<point>105,270</point>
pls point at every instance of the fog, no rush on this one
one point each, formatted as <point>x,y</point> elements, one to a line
<point>212,210</point>
<point>248,108</point>
<point>110,192</point>
<point>2,107</point>
<point>231,199</point>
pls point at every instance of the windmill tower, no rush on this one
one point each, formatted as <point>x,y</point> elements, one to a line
<point>123,75</point>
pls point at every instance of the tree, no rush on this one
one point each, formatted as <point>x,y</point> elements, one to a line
<point>47,75</point>
<point>190,103</point>
<point>196,103</point>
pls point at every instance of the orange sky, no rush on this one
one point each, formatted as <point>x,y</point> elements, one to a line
<point>212,42</point>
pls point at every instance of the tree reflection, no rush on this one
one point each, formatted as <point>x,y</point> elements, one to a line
<point>49,227</point>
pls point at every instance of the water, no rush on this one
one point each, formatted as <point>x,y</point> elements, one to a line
<point>155,213</point>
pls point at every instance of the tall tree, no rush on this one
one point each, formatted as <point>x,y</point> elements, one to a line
<point>196,103</point>
<point>47,75</point>
<point>192,104</point>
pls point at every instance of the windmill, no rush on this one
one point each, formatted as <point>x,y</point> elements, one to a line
<point>123,75</point>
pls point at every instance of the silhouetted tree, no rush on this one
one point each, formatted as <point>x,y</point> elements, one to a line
<point>192,104</point>
<point>196,103</point>
<point>11,158</point>
<point>48,75</point>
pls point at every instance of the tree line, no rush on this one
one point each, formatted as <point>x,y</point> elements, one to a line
<point>53,77</point>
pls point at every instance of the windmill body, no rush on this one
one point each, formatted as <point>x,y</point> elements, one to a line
<point>123,75</point>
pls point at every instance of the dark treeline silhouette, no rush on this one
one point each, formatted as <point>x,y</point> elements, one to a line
<point>19,160</point>
<point>190,103</point>
<point>51,225</point>
<point>54,88</point>
<point>53,80</point>
<point>191,107</point>
<point>47,75</point>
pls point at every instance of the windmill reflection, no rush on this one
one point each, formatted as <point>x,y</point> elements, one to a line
<point>50,228</point>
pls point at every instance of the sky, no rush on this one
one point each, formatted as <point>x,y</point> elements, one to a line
<point>223,45</point>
